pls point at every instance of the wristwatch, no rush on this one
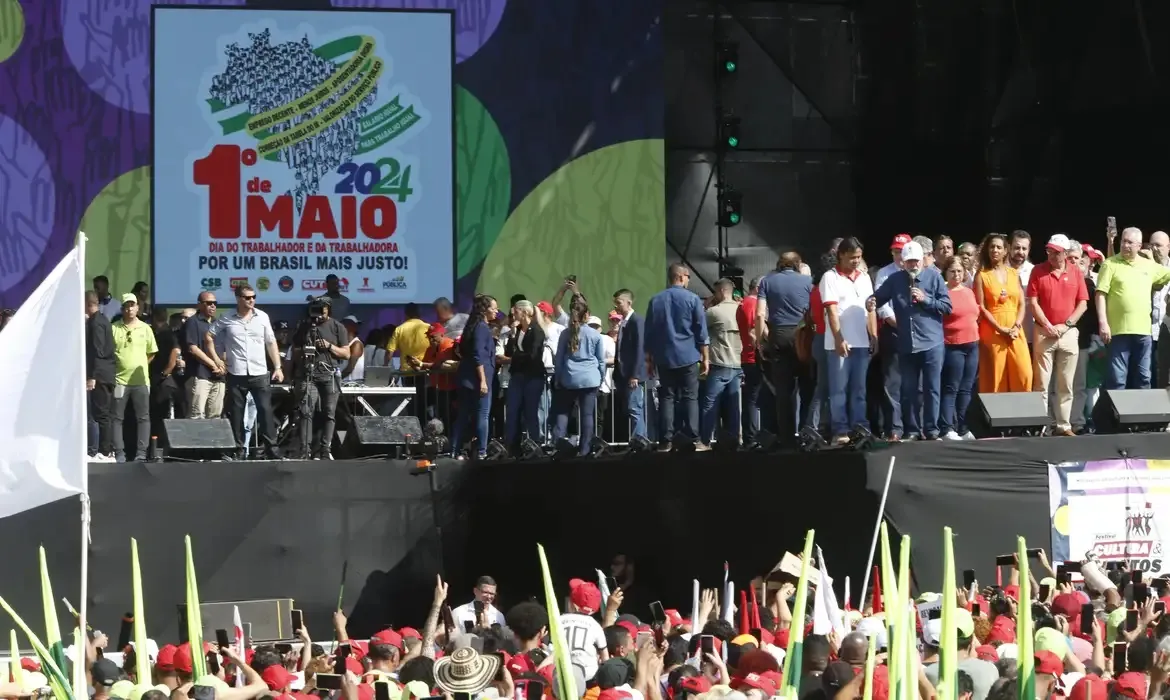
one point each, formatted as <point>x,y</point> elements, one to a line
<point>1070,323</point>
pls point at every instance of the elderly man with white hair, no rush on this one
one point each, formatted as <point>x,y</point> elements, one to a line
<point>1160,252</point>
<point>1123,300</point>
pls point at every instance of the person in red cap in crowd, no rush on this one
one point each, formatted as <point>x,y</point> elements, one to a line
<point>1049,668</point>
<point>583,634</point>
<point>528,621</point>
<point>1131,685</point>
<point>1089,687</point>
<point>385,655</point>
<point>278,678</point>
<point>758,686</point>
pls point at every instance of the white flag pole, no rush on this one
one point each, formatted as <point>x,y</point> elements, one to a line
<point>79,670</point>
<point>865,577</point>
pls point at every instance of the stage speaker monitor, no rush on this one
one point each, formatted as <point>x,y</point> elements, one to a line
<point>1007,414</point>
<point>194,439</point>
<point>271,618</point>
<point>373,435</point>
<point>1131,411</point>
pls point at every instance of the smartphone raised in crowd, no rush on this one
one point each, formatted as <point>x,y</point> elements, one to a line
<point>1044,592</point>
<point>381,690</point>
<point>1160,607</point>
<point>1131,620</point>
<point>1088,619</point>
<point>329,681</point>
<point>298,620</point>
<point>975,611</point>
<point>1141,592</point>
<point>707,644</point>
<point>339,657</point>
<point>657,613</point>
<point>221,638</point>
<point>1005,560</point>
<point>1119,650</point>
<point>968,578</point>
<point>1035,552</point>
<point>611,582</point>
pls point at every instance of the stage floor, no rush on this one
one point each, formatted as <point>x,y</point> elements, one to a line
<point>286,529</point>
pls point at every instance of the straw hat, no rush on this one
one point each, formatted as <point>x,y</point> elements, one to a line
<point>465,671</point>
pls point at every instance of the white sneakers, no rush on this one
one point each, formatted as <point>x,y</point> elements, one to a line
<point>99,457</point>
<point>952,435</point>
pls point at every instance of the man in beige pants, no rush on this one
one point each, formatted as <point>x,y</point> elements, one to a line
<point>205,380</point>
<point>1057,296</point>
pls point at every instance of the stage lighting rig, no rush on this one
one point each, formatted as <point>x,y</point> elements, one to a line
<point>730,207</point>
<point>727,57</point>
<point>729,131</point>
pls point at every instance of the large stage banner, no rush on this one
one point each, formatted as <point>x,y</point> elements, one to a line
<point>290,145</point>
<point>1119,509</point>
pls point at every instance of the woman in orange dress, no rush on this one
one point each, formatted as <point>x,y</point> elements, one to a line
<point>1004,363</point>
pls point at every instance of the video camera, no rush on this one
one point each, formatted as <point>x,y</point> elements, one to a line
<point>315,316</point>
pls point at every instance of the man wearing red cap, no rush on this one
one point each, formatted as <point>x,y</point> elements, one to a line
<point>1049,667</point>
<point>438,359</point>
<point>385,654</point>
<point>583,634</point>
<point>1057,297</point>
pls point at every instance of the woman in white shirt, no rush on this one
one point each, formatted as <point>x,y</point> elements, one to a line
<point>355,369</point>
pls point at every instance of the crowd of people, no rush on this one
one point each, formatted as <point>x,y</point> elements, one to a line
<point>838,351</point>
<point>1102,637</point>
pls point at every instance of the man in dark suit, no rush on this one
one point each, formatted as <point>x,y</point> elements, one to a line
<point>629,368</point>
<point>99,379</point>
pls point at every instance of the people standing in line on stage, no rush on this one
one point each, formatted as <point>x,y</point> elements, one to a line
<point>919,298</point>
<point>927,246</point>
<point>1088,342</point>
<point>944,249</point>
<point>440,363</point>
<point>243,346</point>
<point>1004,364</point>
<point>475,377</point>
<point>524,350</point>
<point>1125,287</point>
<point>676,349</point>
<point>1019,248</point>
<point>969,254</point>
<point>961,353</point>
<point>782,301</point>
<point>847,295</point>
<point>481,611</point>
<point>721,387</point>
<point>888,346</point>
<point>579,372</point>
<point>205,379</point>
<point>1058,296</point>
<point>317,377</point>
<point>452,322</point>
<point>629,369</point>
<point>134,347</point>
<point>100,367</point>
<point>338,301</point>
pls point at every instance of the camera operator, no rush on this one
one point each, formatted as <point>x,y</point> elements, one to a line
<point>320,348</point>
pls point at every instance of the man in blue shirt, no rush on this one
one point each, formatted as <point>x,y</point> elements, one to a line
<point>919,298</point>
<point>676,347</point>
<point>783,301</point>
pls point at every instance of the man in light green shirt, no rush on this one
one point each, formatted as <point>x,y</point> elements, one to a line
<point>1125,287</point>
<point>134,345</point>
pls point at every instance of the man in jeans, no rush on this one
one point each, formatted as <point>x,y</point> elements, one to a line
<point>1123,300</point>
<point>676,344</point>
<point>134,347</point>
<point>782,301</point>
<point>721,387</point>
<point>205,381</point>
<point>99,377</point>
<point>249,346</point>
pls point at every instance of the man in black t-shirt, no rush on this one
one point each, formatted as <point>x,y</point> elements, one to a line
<point>164,388</point>
<point>320,347</point>
<point>205,380</point>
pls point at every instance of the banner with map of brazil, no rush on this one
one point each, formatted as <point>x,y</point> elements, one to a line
<point>1119,509</point>
<point>291,145</point>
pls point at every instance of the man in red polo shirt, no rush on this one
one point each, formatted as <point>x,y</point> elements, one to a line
<point>1057,297</point>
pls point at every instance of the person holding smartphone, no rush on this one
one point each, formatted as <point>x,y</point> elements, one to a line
<point>480,611</point>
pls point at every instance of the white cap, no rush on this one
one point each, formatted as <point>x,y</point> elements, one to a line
<point>352,319</point>
<point>1059,241</point>
<point>911,251</point>
<point>593,321</point>
<point>932,632</point>
<point>1008,651</point>
<point>873,627</point>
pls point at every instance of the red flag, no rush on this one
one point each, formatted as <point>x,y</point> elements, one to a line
<point>877,593</point>
<point>755,610</point>
<point>744,625</point>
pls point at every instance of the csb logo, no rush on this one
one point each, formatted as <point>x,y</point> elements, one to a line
<point>398,282</point>
<point>365,285</point>
<point>262,284</point>
<point>285,284</point>
<point>210,284</point>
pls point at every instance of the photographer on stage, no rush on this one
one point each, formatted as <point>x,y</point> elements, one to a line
<point>320,348</point>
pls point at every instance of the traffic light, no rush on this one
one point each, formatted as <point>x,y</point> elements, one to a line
<point>727,57</point>
<point>729,131</point>
<point>730,206</point>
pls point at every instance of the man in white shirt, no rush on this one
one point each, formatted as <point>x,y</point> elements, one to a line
<point>108,306</point>
<point>583,634</point>
<point>485,595</point>
<point>1020,248</point>
<point>249,345</point>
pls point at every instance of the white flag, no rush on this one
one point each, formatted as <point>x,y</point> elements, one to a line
<point>239,643</point>
<point>42,393</point>
<point>826,613</point>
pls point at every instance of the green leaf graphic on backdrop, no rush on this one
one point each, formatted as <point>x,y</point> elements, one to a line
<point>601,217</point>
<point>483,181</point>
<point>117,226</point>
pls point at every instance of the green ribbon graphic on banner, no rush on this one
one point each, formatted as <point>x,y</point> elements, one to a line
<point>376,129</point>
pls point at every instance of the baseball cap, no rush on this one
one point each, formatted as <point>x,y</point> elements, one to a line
<point>352,319</point>
<point>1058,241</point>
<point>911,251</point>
<point>593,321</point>
<point>766,682</point>
<point>900,240</point>
<point>585,596</point>
<point>409,633</point>
<point>129,299</point>
<point>1080,689</point>
<point>545,307</point>
<point>1049,663</point>
<point>166,658</point>
<point>277,677</point>
<point>387,636</point>
<point>1131,685</point>
<point>1092,252</point>
<point>932,632</point>
<point>873,627</point>
<point>436,329</point>
<point>105,672</point>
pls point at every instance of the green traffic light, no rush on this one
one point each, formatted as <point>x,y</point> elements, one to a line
<point>732,141</point>
<point>734,218</point>
<point>729,66</point>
